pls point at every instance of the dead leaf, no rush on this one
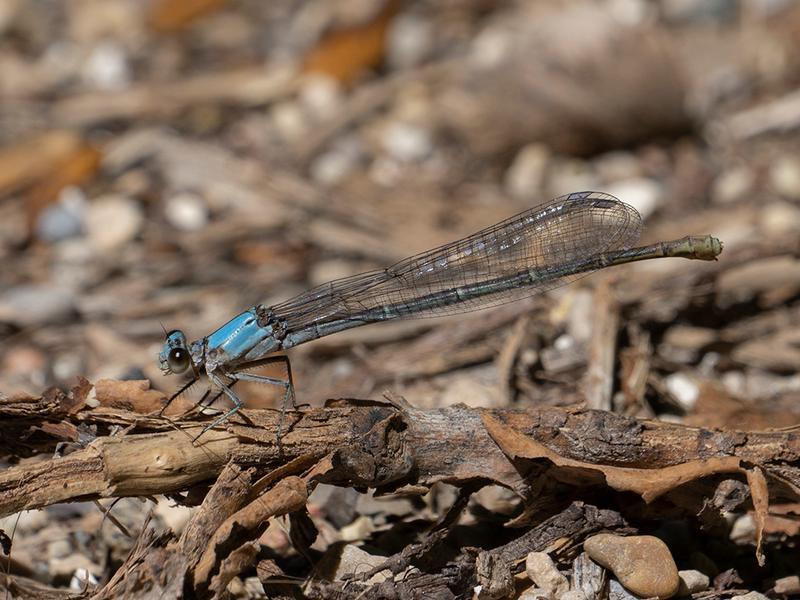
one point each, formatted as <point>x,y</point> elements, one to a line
<point>648,483</point>
<point>29,160</point>
<point>287,496</point>
<point>75,168</point>
<point>169,16</point>
<point>346,53</point>
<point>133,395</point>
<point>760,496</point>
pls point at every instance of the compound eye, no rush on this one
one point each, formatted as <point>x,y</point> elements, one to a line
<point>178,360</point>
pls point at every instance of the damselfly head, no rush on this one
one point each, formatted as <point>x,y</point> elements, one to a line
<point>175,356</point>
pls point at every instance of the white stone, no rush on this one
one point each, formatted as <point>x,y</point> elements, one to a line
<point>785,177</point>
<point>410,41</point>
<point>545,575</point>
<point>107,67</point>
<point>525,176</point>
<point>684,389</point>
<point>750,596</point>
<point>406,142</point>
<point>779,218</point>
<point>113,221</point>
<point>693,581</point>
<point>645,195</point>
<point>733,184</point>
<point>186,212</point>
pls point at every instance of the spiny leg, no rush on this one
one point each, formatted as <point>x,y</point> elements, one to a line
<point>185,387</point>
<point>225,389</point>
<point>288,385</point>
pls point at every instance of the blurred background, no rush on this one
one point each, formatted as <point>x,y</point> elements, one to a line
<point>172,162</point>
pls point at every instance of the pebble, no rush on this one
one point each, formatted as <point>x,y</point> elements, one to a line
<point>320,95</point>
<point>63,219</point>
<point>788,585</point>
<point>36,304</point>
<point>731,185</point>
<point>617,592</point>
<point>645,195</point>
<point>58,549</point>
<point>618,165</point>
<point>784,177</point>
<point>410,41</point>
<point>113,221</point>
<point>573,595</point>
<point>545,575</point>
<point>497,499</point>
<point>684,389</point>
<point>779,218</point>
<point>525,177</point>
<point>692,582</point>
<point>333,166</point>
<point>175,517</point>
<point>407,143</point>
<point>643,563</point>
<point>186,212</point>
<point>535,594</point>
<point>750,596</point>
<point>743,530</point>
<point>289,120</point>
<point>107,67</point>
<point>340,560</point>
<point>567,176</point>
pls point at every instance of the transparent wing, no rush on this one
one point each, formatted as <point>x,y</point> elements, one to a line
<point>547,238</point>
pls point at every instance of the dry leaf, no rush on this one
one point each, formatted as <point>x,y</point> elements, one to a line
<point>28,161</point>
<point>648,483</point>
<point>169,16</point>
<point>346,53</point>
<point>134,395</point>
<point>760,497</point>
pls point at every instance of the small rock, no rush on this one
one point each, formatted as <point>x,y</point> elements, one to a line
<point>743,530</point>
<point>788,585</point>
<point>535,594</point>
<point>107,67</point>
<point>289,120</point>
<point>573,595</point>
<point>617,592</point>
<point>645,195</point>
<point>642,563</point>
<point>497,499</point>
<point>567,176</point>
<point>684,389</point>
<point>784,177</point>
<point>175,517</point>
<point>63,219</point>
<point>732,185</point>
<point>617,166</point>
<point>58,549</point>
<point>410,41</point>
<point>186,212</point>
<point>692,582</point>
<point>320,95</point>
<point>691,338</point>
<point>80,578</point>
<point>347,559</point>
<point>525,176</point>
<point>333,166</point>
<point>112,222</point>
<point>406,142</point>
<point>543,573</point>
<point>28,305</point>
<point>750,596</point>
<point>779,218</point>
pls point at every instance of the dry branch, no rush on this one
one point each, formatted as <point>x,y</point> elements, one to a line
<point>549,457</point>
